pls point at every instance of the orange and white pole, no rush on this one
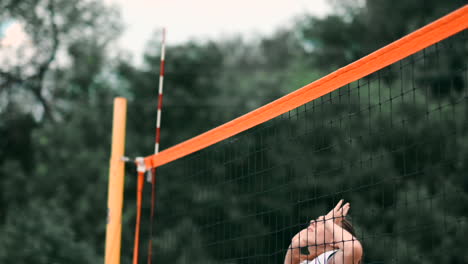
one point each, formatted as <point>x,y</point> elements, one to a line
<point>160,93</point>
<point>152,178</point>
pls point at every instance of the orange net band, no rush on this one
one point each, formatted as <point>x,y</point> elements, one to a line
<point>438,30</point>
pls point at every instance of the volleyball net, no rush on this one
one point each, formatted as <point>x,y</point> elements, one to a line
<point>388,133</point>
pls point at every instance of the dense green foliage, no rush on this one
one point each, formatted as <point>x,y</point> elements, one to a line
<point>55,133</point>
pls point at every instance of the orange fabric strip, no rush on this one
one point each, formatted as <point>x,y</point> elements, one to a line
<point>422,38</point>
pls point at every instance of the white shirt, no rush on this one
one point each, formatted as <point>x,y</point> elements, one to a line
<point>321,259</point>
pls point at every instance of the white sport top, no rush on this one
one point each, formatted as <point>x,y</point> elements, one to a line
<point>321,259</point>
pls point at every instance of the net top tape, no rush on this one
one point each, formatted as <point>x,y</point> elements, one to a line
<point>424,37</point>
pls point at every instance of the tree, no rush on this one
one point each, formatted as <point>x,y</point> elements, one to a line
<point>52,156</point>
<point>50,27</point>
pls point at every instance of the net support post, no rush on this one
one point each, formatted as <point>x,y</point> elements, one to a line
<point>116,183</point>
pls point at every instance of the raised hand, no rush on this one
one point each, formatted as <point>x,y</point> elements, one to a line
<point>338,213</point>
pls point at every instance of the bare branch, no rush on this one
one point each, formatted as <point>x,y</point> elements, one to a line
<point>55,43</point>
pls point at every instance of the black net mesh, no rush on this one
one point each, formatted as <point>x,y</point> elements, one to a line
<point>393,144</point>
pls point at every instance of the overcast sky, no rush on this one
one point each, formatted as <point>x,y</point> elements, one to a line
<point>207,19</point>
<point>194,19</point>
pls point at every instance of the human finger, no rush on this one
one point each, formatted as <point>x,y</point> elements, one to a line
<point>339,211</point>
<point>338,206</point>
<point>345,209</point>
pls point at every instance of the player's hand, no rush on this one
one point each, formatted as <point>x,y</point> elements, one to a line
<point>338,213</point>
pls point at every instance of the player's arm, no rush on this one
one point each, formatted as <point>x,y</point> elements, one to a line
<point>298,242</point>
<point>292,255</point>
<point>349,248</point>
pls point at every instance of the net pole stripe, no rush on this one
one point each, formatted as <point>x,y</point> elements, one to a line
<point>160,93</point>
<point>152,178</point>
<point>422,38</point>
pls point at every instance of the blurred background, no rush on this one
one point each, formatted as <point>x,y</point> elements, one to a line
<point>63,61</point>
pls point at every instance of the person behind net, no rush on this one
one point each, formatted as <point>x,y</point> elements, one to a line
<point>329,239</point>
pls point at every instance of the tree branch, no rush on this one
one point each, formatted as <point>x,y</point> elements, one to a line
<point>35,82</point>
<point>38,78</point>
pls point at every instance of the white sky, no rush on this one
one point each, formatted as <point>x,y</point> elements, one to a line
<point>207,19</point>
<point>11,34</point>
<point>194,19</point>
